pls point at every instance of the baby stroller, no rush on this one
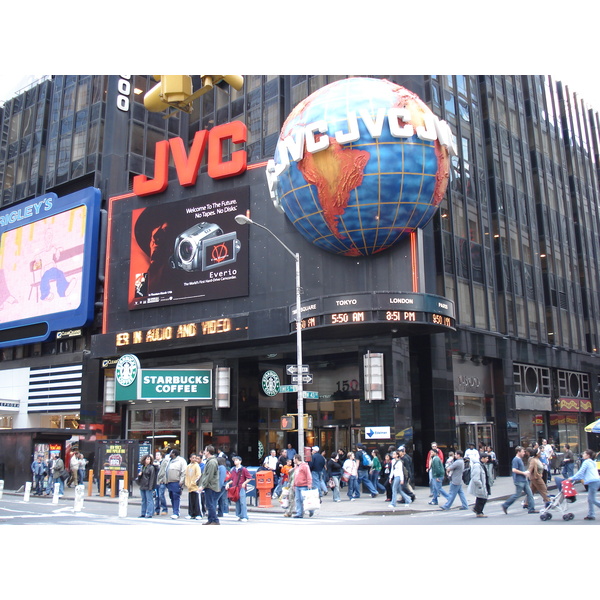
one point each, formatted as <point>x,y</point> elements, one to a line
<point>566,495</point>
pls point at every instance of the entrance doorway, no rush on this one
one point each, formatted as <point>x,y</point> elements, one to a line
<point>332,437</point>
<point>475,433</point>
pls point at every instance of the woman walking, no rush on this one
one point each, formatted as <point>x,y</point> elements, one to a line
<point>236,488</point>
<point>537,476</point>
<point>397,480</point>
<point>588,473</point>
<point>334,471</point>
<point>376,471</point>
<point>351,468</point>
<point>147,480</point>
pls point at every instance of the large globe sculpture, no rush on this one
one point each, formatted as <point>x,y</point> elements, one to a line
<point>361,163</point>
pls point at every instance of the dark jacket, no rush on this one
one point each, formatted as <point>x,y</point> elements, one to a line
<point>147,478</point>
<point>317,463</point>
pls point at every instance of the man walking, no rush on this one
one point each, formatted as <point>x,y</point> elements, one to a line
<point>317,471</point>
<point>436,468</point>
<point>568,462</point>
<point>479,485</point>
<point>435,448</point>
<point>210,485</point>
<point>455,473</point>
<point>175,472</point>
<point>364,465</point>
<point>521,481</point>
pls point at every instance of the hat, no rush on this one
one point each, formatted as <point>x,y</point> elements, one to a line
<point>315,448</point>
<point>484,455</point>
<point>360,446</point>
<point>401,449</point>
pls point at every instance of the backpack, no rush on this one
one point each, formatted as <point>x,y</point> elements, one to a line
<point>366,459</point>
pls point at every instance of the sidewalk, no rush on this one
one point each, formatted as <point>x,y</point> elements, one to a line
<point>502,488</point>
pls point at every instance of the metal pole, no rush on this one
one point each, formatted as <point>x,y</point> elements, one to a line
<point>300,402</point>
<point>244,220</point>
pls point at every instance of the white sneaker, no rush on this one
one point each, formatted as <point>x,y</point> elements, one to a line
<point>244,520</point>
<point>174,516</point>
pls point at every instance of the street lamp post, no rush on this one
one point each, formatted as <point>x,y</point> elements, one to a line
<point>243,220</point>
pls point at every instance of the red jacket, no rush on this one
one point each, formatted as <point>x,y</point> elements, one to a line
<point>302,476</point>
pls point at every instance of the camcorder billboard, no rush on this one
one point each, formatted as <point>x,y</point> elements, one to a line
<point>187,250</point>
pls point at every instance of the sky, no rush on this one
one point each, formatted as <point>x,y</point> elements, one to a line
<point>333,37</point>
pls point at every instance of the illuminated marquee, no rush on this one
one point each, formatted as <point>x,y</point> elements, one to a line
<point>428,310</point>
<point>195,330</point>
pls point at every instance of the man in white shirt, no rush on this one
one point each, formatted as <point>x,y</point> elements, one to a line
<point>472,454</point>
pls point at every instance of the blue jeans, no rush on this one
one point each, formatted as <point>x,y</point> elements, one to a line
<point>318,483</point>
<point>437,489</point>
<point>39,484</point>
<point>147,503</point>
<point>363,477</point>
<point>456,488</point>
<point>241,508</point>
<point>568,470</point>
<point>160,502</point>
<point>353,489</point>
<point>61,489</point>
<point>53,274</point>
<point>212,498</point>
<point>592,502</point>
<point>174,490</point>
<point>397,489</point>
<point>300,501</point>
<point>336,489</point>
<point>521,487</point>
<point>50,485</point>
<point>374,479</point>
<point>222,503</point>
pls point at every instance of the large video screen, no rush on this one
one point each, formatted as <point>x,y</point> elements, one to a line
<point>48,248</point>
<point>187,250</point>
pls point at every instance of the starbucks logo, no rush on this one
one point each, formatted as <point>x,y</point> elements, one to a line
<point>127,369</point>
<point>270,383</point>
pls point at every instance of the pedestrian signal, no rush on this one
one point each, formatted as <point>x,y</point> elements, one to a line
<point>288,422</point>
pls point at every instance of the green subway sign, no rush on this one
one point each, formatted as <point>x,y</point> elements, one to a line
<point>161,384</point>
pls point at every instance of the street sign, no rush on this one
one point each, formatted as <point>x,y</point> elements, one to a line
<point>293,369</point>
<point>377,433</point>
<point>288,389</point>
<point>310,395</point>
<point>308,378</point>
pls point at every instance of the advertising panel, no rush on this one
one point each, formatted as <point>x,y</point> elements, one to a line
<point>187,251</point>
<point>48,258</point>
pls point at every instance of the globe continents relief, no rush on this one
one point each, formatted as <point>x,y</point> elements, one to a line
<point>361,197</point>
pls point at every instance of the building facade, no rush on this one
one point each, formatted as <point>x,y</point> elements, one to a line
<point>512,252</point>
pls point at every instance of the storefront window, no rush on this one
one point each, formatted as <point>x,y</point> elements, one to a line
<point>162,426</point>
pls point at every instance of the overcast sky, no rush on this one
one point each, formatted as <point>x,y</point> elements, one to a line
<point>333,37</point>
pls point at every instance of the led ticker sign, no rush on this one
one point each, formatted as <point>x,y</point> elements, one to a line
<point>230,328</point>
<point>404,308</point>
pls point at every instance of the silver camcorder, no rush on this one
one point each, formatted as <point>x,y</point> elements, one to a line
<point>204,246</point>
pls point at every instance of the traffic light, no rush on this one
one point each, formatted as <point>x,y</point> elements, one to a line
<point>171,90</point>
<point>176,91</point>
<point>288,422</point>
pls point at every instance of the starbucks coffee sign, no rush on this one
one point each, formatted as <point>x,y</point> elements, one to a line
<point>159,384</point>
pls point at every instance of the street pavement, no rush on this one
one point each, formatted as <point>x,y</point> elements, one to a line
<point>502,488</point>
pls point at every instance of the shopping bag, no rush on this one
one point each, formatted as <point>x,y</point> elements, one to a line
<point>310,499</point>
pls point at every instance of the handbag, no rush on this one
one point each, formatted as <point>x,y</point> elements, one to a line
<point>346,476</point>
<point>331,483</point>
<point>310,499</point>
<point>64,475</point>
<point>233,493</point>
